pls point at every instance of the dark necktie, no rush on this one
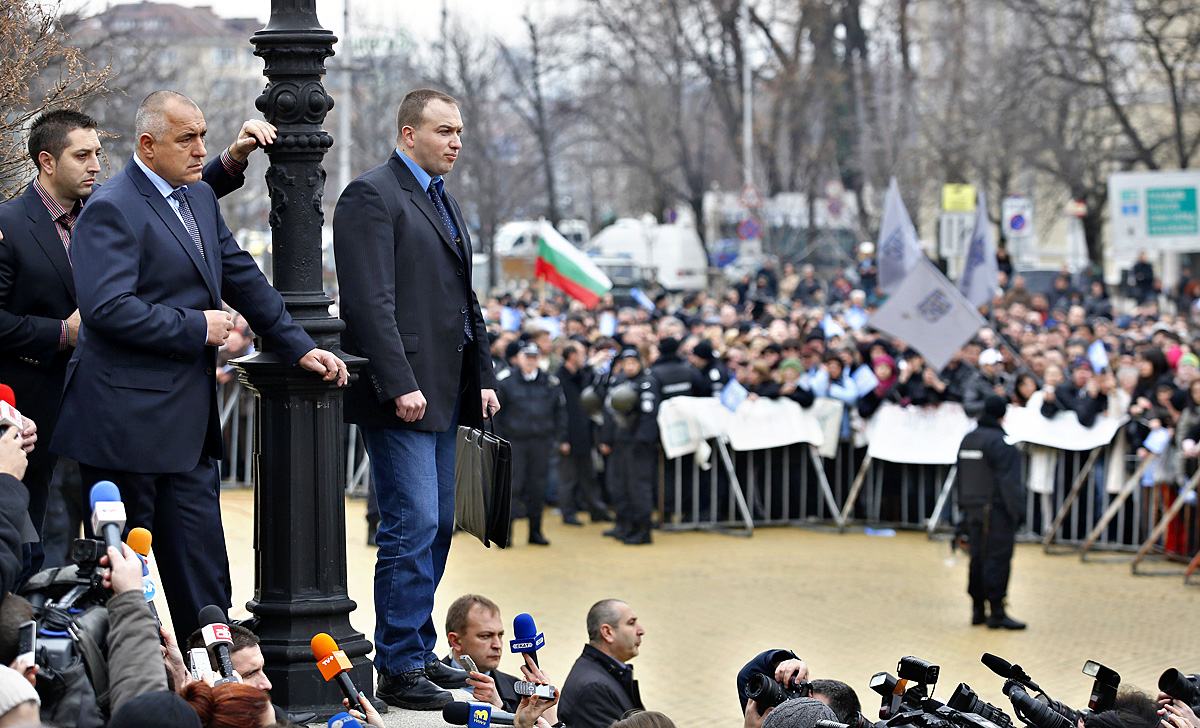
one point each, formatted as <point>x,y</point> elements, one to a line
<point>189,222</point>
<point>436,198</point>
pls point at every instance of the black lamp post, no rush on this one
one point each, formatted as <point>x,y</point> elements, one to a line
<point>300,535</point>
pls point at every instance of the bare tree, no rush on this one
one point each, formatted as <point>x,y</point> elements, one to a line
<point>41,70</point>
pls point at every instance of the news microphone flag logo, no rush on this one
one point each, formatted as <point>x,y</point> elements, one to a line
<point>221,632</point>
<point>528,644</point>
<point>481,716</point>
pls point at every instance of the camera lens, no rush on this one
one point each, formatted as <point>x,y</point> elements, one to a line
<point>764,691</point>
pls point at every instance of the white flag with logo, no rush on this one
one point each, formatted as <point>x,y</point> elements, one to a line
<point>898,249</point>
<point>929,314</point>
<point>978,280</point>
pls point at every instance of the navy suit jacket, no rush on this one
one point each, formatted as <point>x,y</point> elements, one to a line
<point>37,291</point>
<point>405,288</point>
<point>140,391</point>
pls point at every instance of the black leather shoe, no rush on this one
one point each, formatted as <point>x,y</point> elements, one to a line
<point>537,539</point>
<point>444,676</point>
<point>637,539</point>
<point>572,521</point>
<point>601,518</point>
<point>412,691</point>
<point>617,534</point>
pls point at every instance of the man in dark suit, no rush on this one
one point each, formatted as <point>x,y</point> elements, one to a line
<point>39,320</point>
<point>152,262</point>
<point>404,273</point>
<point>474,629</point>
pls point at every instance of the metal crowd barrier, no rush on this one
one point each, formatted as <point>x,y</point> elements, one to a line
<point>793,486</point>
<point>235,405</point>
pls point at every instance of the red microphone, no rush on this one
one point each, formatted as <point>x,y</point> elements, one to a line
<point>9,416</point>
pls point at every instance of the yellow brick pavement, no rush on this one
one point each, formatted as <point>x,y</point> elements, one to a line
<point>851,605</point>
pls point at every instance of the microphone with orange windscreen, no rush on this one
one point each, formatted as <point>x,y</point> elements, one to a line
<point>334,665</point>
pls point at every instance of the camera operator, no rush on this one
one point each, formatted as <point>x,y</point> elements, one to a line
<point>991,495</point>
<point>784,665</point>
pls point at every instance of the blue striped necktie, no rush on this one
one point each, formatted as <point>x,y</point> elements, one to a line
<point>189,222</point>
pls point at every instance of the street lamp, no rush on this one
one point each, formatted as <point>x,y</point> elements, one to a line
<point>300,520</point>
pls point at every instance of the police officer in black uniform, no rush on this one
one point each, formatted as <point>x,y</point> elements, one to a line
<point>577,486</point>
<point>678,378</point>
<point>991,494</point>
<point>628,437</point>
<point>534,420</point>
<point>710,366</point>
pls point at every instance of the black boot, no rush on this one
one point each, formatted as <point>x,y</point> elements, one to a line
<point>978,612</point>
<point>412,691</point>
<point>535,533</point>
<point>999,620</point>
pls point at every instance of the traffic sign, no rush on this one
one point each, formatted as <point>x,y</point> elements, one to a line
<point>749,229</point>
<point>750,197</point>
<point>1017,217</point>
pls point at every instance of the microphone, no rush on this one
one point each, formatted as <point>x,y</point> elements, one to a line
<point>218,640</point>
<point>8,409</point>
<point>334,664</point>
<point>528,639</point>
<point>108,513</point>
<point>344,720</point>
<point>1006,669</point>
<point>139,540</point>
<point>475,715</point>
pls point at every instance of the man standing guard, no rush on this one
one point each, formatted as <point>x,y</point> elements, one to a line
<point>404,271</point>
<point>152,262</point>
<point>991,495</point>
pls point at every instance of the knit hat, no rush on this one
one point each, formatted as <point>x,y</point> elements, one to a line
<point>799,713</point>
<point>1188,358</point>
<point>791,364</point>
<point>995,407</point>
<point>155,710</point>
<point>14,690</point>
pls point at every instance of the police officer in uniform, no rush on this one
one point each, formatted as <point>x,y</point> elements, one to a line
<point>710,366</point>
<point>991,494</point>
<point>534,420</point>
<point>628,436</point>
<point>678,378</point>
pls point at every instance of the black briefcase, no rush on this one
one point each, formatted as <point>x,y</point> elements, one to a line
<point>483,484</point>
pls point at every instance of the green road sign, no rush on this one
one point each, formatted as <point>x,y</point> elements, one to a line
<point>1172,211</point>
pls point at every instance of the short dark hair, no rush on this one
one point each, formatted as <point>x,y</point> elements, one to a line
<point>602,612</point>
<point>14,612</point>
<point>842,698</point>
<point>50,130</point>
<point>412,108</point>
<point>456,615</point>
<point>242,638</point>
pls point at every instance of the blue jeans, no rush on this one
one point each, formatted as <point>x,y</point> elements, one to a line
<point>414,482</point>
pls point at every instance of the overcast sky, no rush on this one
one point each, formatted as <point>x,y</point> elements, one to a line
<point>421,17</point>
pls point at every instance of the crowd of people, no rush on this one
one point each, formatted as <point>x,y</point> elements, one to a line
<point>1075,349</point>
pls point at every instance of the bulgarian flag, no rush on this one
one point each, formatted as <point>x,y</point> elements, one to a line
<point>566,267</point>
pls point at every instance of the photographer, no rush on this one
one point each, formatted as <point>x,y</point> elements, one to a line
<point>784,665</point>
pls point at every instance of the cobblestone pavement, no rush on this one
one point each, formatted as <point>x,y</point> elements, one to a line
<point>850,605</point>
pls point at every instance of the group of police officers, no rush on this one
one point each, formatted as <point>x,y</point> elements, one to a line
<point>598,415</point>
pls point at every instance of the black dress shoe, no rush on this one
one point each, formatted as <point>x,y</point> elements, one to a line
<point>637,539</point>
<point>444,676</point>
<point>572,521</point>
<point>978,614</point>
<point>617,533</point>
<point>601,518</point>
<point>537,539</point>
<point>412,691</point>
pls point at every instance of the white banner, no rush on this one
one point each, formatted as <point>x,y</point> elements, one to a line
<point>1063,431</point>
<point>685,423</point>
<point>917,435</point>
<point>929,314</point>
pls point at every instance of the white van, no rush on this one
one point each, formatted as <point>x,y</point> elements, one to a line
<point>674,252</point>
